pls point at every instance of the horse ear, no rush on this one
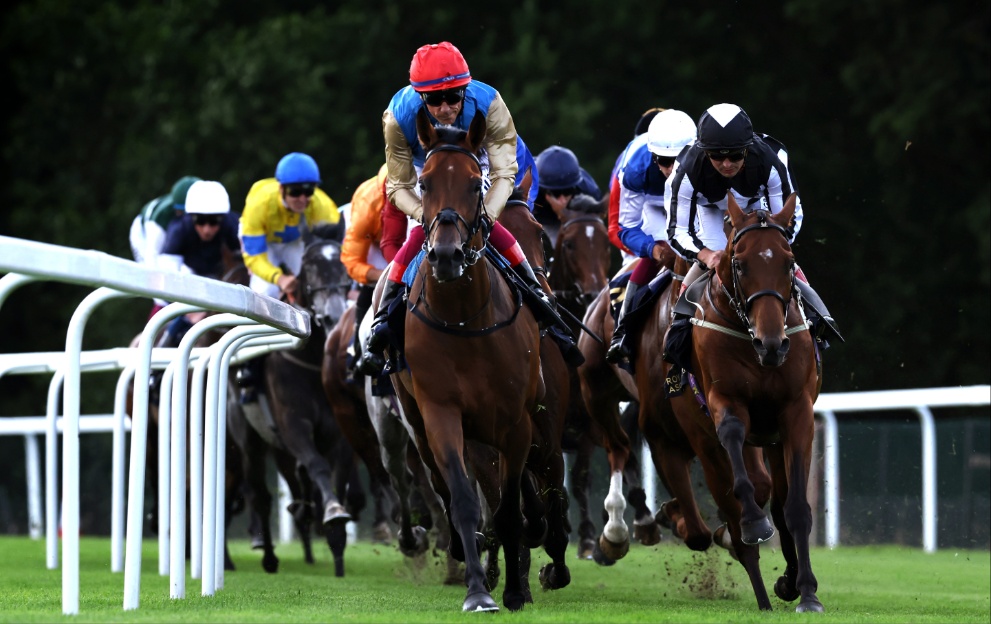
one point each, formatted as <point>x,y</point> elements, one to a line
<point>330,231</point>
<point>787,213</point>
<point>735,214</point>
<point>476,132</point>
<point>425,130</point>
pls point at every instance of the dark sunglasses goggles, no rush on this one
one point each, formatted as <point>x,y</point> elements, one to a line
<point>447,96</point>
<point>295,190</point>
<point>201,219</point>
<point>721,155</point>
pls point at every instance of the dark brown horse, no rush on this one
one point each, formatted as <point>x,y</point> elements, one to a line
<point>750,335</point>
<point>578,276</point>
<point>472,351</point>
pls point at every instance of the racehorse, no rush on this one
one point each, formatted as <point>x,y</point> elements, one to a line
<point>295,420</point>
<point>472,354</point>
<point>750,335</point>
<point>578,275</point>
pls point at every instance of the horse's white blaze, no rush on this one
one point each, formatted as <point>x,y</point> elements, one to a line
<point>767,254</point>
<point>589,232</point>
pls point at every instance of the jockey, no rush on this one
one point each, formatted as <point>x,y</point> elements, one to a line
<point>561,178</point>
<point>728,157</point>
<point>194,244</point>
<point>274,213</point>
<point>441,82</point>
<point>614,186</point>
<point>363,251</point>
<point>647,165</point>
<point>147,232</point>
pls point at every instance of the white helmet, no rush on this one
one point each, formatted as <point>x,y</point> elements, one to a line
<point>207,197</point>
<point>669,131</point>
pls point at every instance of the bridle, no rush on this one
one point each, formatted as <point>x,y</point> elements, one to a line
<point>448,216</point>
<point>471,256</point>
<point>575,292</point>
<point>743,303</point>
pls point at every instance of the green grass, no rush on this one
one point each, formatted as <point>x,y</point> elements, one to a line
<point>665,583</point>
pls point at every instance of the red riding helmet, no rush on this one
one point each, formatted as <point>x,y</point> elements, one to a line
<point>438,66</point>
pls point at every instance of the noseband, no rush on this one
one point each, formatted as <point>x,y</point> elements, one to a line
<point>449,216</point>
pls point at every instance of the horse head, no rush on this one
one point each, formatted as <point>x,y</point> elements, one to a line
<point>323,283</point>
<point>581,253</point>
<point>451,191</point>
<point>759,266</point>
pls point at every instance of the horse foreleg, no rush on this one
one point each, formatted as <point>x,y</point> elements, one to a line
<point>754,525</point>
<point>259,500</point>
<point>580,490</point>
<point>509,527</point>
<point>790,463</point>
<point>301,507</point>
<point>615,539</point>
<point>683,511</point>
<point>464,513</point>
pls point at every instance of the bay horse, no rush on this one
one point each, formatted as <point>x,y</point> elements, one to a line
<point>578,276</point>
<point>756,366</point>
<point>472,353</point>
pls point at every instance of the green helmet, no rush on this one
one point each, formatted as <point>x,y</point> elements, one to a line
<point>179,190</point>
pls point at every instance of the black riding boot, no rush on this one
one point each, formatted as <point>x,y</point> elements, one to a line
<point>372,361</point>
<point>618,349</point>
<point>824,327</point>
<point>547,317</point>
<point>249,378</point>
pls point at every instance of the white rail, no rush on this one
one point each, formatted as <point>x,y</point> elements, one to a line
<point>116,277</point>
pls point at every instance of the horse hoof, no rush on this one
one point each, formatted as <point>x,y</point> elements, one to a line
<point>586,548</point>
<point>613,551</point>
<point>753,533</point>
<point>785,590</point>
<point>270,564</point>
<point>455,573</point>
<point>382,534</point>
<point>810,606</point>
<point>722,538</point>
<point>553,576</point>
<point>335,514</point>
<point>514,601</point>
<point>647,534</point>
<point>600,557</point>
<point>415,544</point>
<point>479,603</point>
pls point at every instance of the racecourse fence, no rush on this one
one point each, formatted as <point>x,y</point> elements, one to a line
<point>259,325</point>
<point>252,317</point>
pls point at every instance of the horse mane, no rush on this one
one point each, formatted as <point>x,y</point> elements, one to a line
<point>450,134</point>
<point>328,231</point>
<point>587,204</point>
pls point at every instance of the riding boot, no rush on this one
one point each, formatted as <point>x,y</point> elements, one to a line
<point>545,312</point>
<point>824,327</point>
<point>372,361</point>
<point>618,349</point>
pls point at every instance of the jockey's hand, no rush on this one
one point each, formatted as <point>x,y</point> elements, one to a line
<point>287,284</point>
<point>558,204</point>
<point>710,258</point>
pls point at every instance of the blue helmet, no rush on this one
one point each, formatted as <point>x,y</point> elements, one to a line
<point>297,168</point>
<point>558,168</point>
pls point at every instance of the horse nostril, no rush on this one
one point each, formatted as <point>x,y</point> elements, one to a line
<point>432,257</point>
<point>458,256</point>
<point>785,344</point>
<point>759,347</point>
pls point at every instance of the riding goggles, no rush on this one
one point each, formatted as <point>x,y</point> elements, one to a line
<point>206,220</point>
<point>721,155</point>
<point>447,96</point>
<point>295,190</point>
<point>663,161</point>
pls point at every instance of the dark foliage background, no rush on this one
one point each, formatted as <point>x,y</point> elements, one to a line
<point>883,109</point>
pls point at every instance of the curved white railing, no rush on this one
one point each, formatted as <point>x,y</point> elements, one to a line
<point>115,277</point>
